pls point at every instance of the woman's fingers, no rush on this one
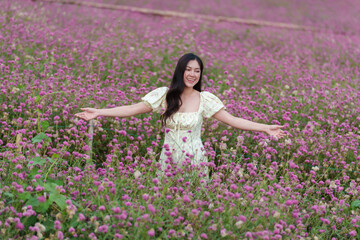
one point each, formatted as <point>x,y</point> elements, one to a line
<point>82,115</point>
<point>276,127</point>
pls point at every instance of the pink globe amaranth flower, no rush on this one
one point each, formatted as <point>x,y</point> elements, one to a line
<point>151,208</point>
<point>325,220</point>
<point>248,235</point>
<point>57,225</point>
<point>195,211</point>
<point>118,236</point>
<point>353,233</point>
<point>41,199</point>
<point>60,235</point>
<point>242,218</point>
<point>39,188</point>
<point>19,226</point>
<point>82,217</point>
<point>102,208</point>
<point>204,236</point>
<point>115,210</point>
<point>186,199</point>
<point>103,228</point>
<point>151,232</point>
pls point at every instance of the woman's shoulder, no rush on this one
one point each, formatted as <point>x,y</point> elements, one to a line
<point>156,93</point>
<point>210,98</point>
<point>207,94</point>
<point>155,99</point>
<point>211,104</point>
<point>161,89</point>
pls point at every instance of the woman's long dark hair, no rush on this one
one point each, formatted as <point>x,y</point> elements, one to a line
<point>177,86</point>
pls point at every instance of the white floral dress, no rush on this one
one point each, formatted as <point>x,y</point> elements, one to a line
<point>182,143</point>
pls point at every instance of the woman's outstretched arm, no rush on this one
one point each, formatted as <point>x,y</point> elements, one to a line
<point>243,124</point>
<point>123,111</point>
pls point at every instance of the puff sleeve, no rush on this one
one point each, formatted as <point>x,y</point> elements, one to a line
<point>155,99</point>
<point>212,104</point>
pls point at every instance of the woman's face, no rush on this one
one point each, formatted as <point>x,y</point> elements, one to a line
<point>192,74</point>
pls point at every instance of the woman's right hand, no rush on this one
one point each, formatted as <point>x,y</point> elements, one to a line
<point>88,114</point>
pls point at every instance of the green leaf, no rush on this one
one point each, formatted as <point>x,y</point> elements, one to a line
<point>37,99</point>
<point>8,195</point>
<point>44,125</point>
<point>24,196</point>
<point>37,160</point>
<point>355,204</point>
<point>55,156</point>
<point>58,199</point>
<point>33,171</point>
<point>55,181</point>
<point>44,206</point>
<point>30,221</point>
<point>50,187</point>
<point>74,222</point>
<point>38,138</point>
<point>49,224</point>
<point>33,202</point>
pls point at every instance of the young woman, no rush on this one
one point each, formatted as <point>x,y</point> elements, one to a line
<point>183,106</point>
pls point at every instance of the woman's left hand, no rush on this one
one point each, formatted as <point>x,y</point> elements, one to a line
<point>275,131</point>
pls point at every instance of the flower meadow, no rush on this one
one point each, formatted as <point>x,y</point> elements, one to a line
<point>61,180</point>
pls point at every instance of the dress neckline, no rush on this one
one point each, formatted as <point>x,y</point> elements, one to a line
<point>198,108</point>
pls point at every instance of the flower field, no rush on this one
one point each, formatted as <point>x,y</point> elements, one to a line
<point>58,180</point>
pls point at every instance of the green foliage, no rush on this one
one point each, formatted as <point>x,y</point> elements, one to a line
<point>40,137</point>
<point>37,161</point>
<point>44,125</point>
<point>355,204</point>
<point>29,221</point>
<point>51,196</point>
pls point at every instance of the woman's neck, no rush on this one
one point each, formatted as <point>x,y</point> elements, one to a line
<point>188,91</point>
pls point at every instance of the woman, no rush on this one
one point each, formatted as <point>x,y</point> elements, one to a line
<point>183,106</point>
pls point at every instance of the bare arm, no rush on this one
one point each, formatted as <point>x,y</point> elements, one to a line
<point>240,123</point>
<point>243,124</point>
<point>123,111</point>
